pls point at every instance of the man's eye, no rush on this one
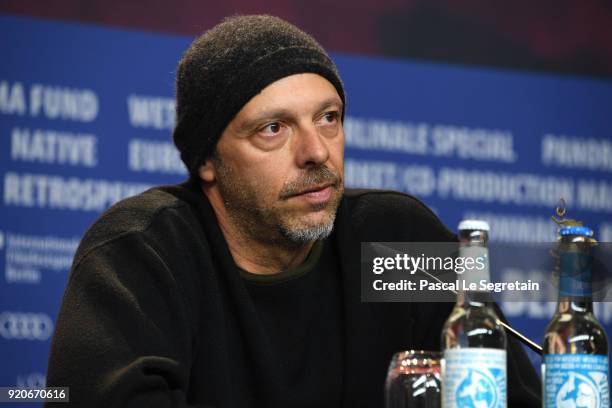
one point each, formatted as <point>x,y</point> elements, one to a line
<point>330,117</point>
<point>271,128</point>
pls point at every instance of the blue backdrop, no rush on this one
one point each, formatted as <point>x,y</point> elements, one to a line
<point>86,115</point>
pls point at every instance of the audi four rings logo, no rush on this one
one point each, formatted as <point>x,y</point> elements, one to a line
<point>25,326</point>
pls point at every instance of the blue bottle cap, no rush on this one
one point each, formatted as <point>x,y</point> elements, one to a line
<point>576,230</point>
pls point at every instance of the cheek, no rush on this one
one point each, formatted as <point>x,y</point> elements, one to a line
<point>267,177</point>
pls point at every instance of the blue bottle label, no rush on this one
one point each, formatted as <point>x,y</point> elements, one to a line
<point>474,377</point>
<point>576,380</point>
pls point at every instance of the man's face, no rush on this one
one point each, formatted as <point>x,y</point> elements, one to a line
<point>279,163</point>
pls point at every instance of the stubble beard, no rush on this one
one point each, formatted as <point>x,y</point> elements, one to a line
<point>272,223</point>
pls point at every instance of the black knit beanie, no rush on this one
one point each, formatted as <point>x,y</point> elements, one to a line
<point>227,66</point>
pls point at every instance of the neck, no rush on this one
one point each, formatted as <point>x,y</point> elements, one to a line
<point>572,304</point>
<point>251,252</point>
<point>467,298</point>
<point>575,285</point>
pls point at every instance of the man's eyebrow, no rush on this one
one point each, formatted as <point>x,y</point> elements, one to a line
<point>334,100</point>
<point>282,113</point>
<point>331,102</point>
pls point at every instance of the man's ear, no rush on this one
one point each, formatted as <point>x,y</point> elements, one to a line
<point>207,171</point>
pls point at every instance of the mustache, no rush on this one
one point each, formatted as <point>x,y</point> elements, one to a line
<point>312,177</point>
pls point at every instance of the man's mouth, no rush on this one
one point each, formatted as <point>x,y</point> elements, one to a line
<point>314,189</point>
<point>316,183</point>
<point>316,194</point>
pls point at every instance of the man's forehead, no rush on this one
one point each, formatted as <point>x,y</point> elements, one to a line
<point>304,90</point>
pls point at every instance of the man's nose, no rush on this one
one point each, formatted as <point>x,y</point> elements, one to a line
<point>312,148</point>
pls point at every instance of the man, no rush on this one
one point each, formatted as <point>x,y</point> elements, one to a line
<point>241,287</point>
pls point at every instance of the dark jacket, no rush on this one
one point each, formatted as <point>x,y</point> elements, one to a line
<point>156,314</point>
